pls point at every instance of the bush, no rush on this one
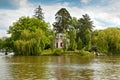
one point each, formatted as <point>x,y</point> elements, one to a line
<point>85,53</point>
<point>58,52</point>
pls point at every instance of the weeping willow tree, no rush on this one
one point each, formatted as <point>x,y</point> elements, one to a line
<point>29,36</point>
<point>30,43</point>
<point>108,40</point>
<point>52,41</point>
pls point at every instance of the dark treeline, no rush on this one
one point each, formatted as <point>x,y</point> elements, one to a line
<point>31,36</point>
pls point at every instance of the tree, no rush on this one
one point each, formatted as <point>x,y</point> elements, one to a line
<point>75,23</point>
<point>28,36</point>
<point>72,35</point>
<point>63,20</point>
<point>102,42</point>
<point>87,39</point>
<point>79,44</point>
<point>94,37</point>
<point>108,40</point>
<point>52,41</point>
<point>6,44</point>
<point>39,13</point>
<point>65,40</point>
<point>1,43</point>
<point>27,23</point>
<point>84,31</point>
<point>30,43</point>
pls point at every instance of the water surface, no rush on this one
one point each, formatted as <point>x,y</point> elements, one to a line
<point>69,67</point>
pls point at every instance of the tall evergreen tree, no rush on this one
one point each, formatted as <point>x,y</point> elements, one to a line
<point>84,30</point>
<point>38,13</point>
<point>63,20</point>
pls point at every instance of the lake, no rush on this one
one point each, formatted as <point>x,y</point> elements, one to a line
<point>67,67</point>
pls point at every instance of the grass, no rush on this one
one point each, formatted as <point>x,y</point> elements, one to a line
<point>58,52</point>
<point>47,52</point>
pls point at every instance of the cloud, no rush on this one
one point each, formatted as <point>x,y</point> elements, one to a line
<point>14,4</point>
<point>8,16</point>
<point>102,16</point>
<point>51,10</point>
<point>85,1</point>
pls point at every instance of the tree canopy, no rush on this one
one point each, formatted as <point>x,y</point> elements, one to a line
<point>39,13</point>
<point>29,36</point>
<point>30,43</point>
<point>63,20</point>
<point>27,23</point>
<point>84,30</point>
<point>108,40</point>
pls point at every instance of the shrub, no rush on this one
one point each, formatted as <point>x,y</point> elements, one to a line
<point>85,53</point>
<point>58,52</point>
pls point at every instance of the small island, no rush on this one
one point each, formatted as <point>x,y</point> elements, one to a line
<point>33,36</point>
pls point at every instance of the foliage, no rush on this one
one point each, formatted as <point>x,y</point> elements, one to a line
<point>58,52</point>
<point>63,20</point>
<point>94,38</point>
<point>47,52</point>
<point>6,44</point>
<point>79,44</point>
<point>84,31</point>
<point>39,13</point>
<point>87,39</point>
<point>1,43</point>
<point>108,40</point>
<point>65,41</point>
<point>72,35</point>
<point>75,23</point>
<point>85,53</point>
<point>52,41</point>
<point>94,49</point>
<point>102,42</point>
<point>29,36</point>
<point>30,43</point>
<point>27,23</point>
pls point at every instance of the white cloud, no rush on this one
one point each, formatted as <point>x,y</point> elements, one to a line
<point>7,17</point>
<point>102,17</point>
<point>51,10</point>
<point>85,1</point>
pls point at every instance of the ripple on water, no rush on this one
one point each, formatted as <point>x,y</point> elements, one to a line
<point>59,68</point>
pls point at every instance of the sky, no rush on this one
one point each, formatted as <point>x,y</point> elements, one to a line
<point>103,13</point>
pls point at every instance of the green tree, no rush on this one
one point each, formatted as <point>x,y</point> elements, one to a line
<point>1,43</point>
<point>27,23</point>
<point>94,37</point>
<point>75,23</point>
<point>79,44</point>
<point>87,39</point>
<point>84,31</point>
<point>65,40</point>
<point>63,20</point>
<point>102,42</point>
<point>30,43</point>
<point>72,35</point>
<point>108,40</point>
<point>6,44</point>
<point>38,13</point>
<point>52,41</point>
<point>28,34</point>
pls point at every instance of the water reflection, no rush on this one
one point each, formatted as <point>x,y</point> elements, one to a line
<point>59,68</point>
